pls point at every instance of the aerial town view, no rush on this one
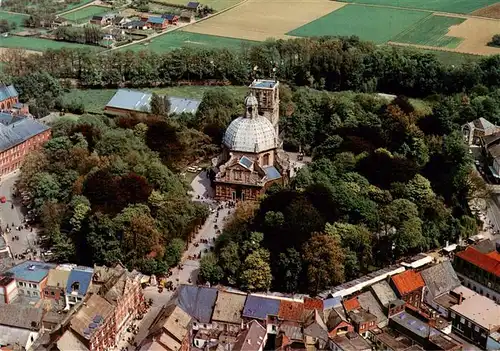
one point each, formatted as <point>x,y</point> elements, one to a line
<point>249,175</point>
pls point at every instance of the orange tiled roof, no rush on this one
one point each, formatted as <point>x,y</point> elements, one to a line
<point>489,263</point>
<point>313,304</point>
<point>351,304</point>
<point>290,310</point>
<point>408,281</point>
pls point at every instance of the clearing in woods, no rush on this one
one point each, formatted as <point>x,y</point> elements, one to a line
<point>263,19</point>
<point>178,38</point>
<point>85,13</point>
<point>432,31</point>
<point>377,24</point>
<point>453,6</point>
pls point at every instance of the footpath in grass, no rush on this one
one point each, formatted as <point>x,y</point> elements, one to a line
<point>375,24</point>
<point>85,13</point>
<point>39,44</point>
<point>17,18</point>
<point>453,6</point>
<point>95,100</point>
<point>177,39</point>
<point>431,32</point>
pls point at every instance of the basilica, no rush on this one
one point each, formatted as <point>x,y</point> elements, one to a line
<point>252,158</point>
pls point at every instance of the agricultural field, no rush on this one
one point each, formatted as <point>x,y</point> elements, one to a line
<point>492,11</point>
<point>476,34</point>
<point>375,24</point>
<point>178,38</point>
<point>17,18</point>
<point>262,19</point>
<point>451,6</point>
<point>432,31</point>
<point>84,14</point>
<point>39,44</point>
<point>217,5</point>
<point>452,57</point>
<point>94,100</point>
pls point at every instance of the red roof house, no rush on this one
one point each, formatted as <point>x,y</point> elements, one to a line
<point>351,304</point>
<point>409,286</point>
<point>291,311</point>
<point>313,304</point>
<point>488,262</point>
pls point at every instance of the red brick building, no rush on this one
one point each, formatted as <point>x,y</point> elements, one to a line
<point>409,286</point>
<point>8,96</point>
<point>157,23</point>
<point>19,135</point>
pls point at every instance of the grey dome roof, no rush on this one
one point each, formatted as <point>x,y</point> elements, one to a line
<point>250,135</point>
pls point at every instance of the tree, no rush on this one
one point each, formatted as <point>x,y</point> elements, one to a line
<point>160,105</point>
<point>323,259</point>
<point>210,271</point>
<point>173,252</point>
<point>288,271</point>
<point>495,40</point>
<point>229,260</point>
<point>45,188</point>
<point>81,207</point>
<point>256,272</point>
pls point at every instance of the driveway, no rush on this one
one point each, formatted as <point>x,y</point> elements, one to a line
<point>15,217</point>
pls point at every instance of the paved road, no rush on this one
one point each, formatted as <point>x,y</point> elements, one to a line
<point>9,215</point>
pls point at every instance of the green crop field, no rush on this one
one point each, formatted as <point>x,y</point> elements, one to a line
<point>215,4</point>
<point>94,100</point>
<point>177,39</point>
<point>39,44</point>
<point>453,6</point>
<point>76,5</point>
<point>375,24</point>
<point>431,32</point>
<point>85,13</point>
<point>452,58</point>
<point>17,18</point>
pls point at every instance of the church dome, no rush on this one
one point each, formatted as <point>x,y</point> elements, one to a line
<point>251,100</point>
<point>250,135</point>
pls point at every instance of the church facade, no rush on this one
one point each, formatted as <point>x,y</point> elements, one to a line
<point>252,159</point>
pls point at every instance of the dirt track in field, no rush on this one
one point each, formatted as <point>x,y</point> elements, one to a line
<point>492,11</point>
<point>262,19</point>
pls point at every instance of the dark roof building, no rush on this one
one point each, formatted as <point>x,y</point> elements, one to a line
<point>198,302</point>
<point>193,5</point>
<point>253,338</point>
<point>79,281</point>
<point>15,130</point>
<point>258,307</point>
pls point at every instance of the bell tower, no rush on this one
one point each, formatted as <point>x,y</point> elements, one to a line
<point>268,96</point>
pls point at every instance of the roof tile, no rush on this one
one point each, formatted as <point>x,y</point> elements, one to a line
<point>487,262</point>
<point>313,304</point>
<point>351,304</point>
<point>408,281</point>
<point>291,310</point>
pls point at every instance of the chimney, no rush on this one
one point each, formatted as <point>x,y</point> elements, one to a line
<point>461,298</point>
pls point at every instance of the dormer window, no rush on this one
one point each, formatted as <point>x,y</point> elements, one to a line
<point>75,286</point>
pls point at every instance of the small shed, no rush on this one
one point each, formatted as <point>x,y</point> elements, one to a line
<point>187,16</point>
<point>172,19</point>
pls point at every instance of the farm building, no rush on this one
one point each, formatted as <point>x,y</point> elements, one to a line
<point>172,19</point>
<point>102,20</point>
<point>194,6</point>
<point>187,16</point>
<point>135,25</point>
<point>127,101</point>
<point>157,22</point>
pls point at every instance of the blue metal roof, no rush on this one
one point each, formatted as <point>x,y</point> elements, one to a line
<point>245,162</point>
<point>264,84</point>
<point>156,20</point>
<point>193,5</point>
<point>169,16</point>
<point>82,276</point>
<point>272,172</point>
<point>332,302</point>
<point>7,91</point>
<point>9,118</point>
<point>19,131</point>
<point>134,100</point>
<point>259,307</point>
<point>32,271</point>
<point>198,302</point>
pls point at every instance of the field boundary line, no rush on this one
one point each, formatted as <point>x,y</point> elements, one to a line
<point>426,47</point>
<point>411,27</point>
<point>178,28</point>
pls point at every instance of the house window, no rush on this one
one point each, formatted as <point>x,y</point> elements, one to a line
<point>476,328</point>
<point>237,175</point>
<point>452,315</point>
<point>265,160</point>
<point>75,286</point>
<point>462,320</point>
<point>52,293</point>
<point>468,324</point>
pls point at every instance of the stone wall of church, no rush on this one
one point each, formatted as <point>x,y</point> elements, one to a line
<point>230,192</point>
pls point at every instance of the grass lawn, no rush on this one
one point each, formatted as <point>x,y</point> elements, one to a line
<point>178,38</point>
<point>76,5</point>
<point>85,13</point>
<point>39,44</point>
<point>453,6</point>
<point>95,99</point>
<point>16,18</point>
<point>432,32</point>
<point>215,4</point>
<point>375,24</point>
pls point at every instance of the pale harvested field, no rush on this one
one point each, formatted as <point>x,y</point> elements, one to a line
<point>262,19</point>
<point>477,33</point>
<point>492,11</point>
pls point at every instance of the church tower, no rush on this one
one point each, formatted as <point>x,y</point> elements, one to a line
<point>267,93</point>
